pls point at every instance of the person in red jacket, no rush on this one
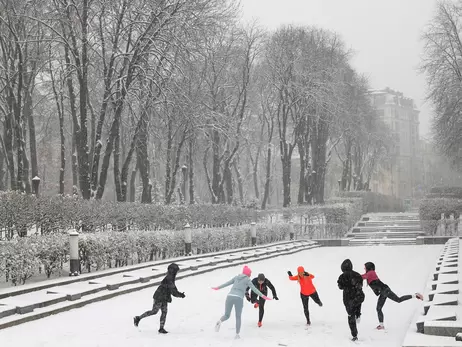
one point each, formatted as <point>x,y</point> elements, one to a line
<point>307,290</point>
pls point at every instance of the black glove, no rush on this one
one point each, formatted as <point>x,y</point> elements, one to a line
<point>275,298</point>
<point>253,301</point>
<point>247,296</point>
<point>306,273</point>
<point>289,273</point>
<point>182,295</point>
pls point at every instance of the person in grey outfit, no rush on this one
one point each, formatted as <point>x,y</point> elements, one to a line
<point>236,297</point>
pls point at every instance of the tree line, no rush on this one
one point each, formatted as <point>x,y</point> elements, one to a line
<point>178,101</point>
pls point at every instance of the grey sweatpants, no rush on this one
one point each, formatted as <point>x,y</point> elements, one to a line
<point>238,303</point>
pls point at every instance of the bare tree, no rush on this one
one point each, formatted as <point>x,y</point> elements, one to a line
<point>442,67</point>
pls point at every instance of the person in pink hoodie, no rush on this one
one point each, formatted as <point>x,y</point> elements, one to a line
<point>235,297</point>
<point>383,291</point>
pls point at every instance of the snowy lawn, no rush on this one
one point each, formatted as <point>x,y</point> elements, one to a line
<point>191,321</point>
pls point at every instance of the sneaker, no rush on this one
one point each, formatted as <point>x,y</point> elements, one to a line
<point>256,305</point>
<point>380,326</point>
<point>217,326</point>
<point>355,338</point>
<point>237,337</point>
<point>136,320</point>
<point>163,331</point>
<point>419,296</point>
<point>259,324</point>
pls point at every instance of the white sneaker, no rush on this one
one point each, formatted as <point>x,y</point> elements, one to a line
<point>217,326</point>
<point>237,337</point>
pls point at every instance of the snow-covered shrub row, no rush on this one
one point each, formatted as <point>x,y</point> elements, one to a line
<point>445,192</point>
<point>430,211</point>
<point>23,258</point>
<point>375,202</point>
<point>20,212</point>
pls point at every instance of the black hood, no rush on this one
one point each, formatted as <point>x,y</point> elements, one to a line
<point>173,269</point>
<point>346,265</point>
<point>369,266</point>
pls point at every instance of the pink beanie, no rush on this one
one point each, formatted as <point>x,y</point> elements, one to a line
<point>246,271</point>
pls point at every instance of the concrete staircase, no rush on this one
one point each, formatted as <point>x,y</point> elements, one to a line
<point>386,229</point>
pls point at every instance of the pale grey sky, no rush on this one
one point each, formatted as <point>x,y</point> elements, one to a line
<point>384,34</point>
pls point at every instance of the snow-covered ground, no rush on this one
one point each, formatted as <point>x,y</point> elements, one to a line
<point>191,320</point>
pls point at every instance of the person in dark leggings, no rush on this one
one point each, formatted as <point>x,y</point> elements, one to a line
<point>162,297</point>
<point>307,290</point>
<point>262,284</point>
<point>383,291</point>
<point>351,283</point>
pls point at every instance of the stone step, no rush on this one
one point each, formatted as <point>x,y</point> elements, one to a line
<point>360,229</point>
<point>438,313</point>
<point>384,241</point>
<point>443,328</point>
<point>444,289</point>
<point>377,235</point>
<point>441,300</point>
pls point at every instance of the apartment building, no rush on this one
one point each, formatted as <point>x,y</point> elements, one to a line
<point>403,174</point>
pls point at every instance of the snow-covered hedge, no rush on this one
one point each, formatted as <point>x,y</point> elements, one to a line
<point>23,258</point>
<point>20,213</point>
<point>430,211</point>
<point>445,192</point>
<point>375,202</point>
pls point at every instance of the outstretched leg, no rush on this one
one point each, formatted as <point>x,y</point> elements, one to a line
<point>316,299</point>
<point>305,307</point>
<point>396,298</point>
<point>229,303</point>
<point>156,306</point>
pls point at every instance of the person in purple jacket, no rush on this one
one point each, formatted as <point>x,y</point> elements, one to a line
<point>383,291</point>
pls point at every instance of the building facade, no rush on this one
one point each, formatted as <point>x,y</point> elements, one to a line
<point>402,176</point>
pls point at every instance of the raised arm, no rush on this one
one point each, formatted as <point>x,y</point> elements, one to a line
<point>271,287</point>
<point>231,281</point>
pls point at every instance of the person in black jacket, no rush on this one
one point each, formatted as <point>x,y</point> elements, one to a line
<point>262,284</point>
<point>351,283</point>
<point>163,296</point>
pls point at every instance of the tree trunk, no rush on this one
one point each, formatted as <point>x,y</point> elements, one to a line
<point>82,131</point>
<point>286,159</point>
<point>8,136</point>
<point>302,180</point>
<point>133,183</point>
<point>218,193</point>
<point>63,149</point>
<point>266,193</point>
<point>240,181</point>
<point>32,136</point>
<point>143,161</point>
<point>228,178</point>
<point>75,167</point>
<point>118,185</point>
<point>168,164</point>
<point>191,172</point>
